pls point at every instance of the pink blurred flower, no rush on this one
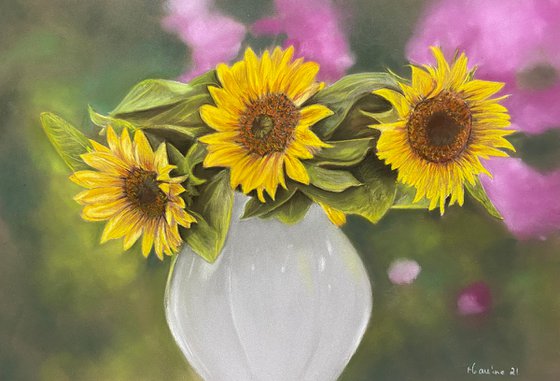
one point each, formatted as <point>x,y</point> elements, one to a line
<point>515,42</point>
<point>403,271</point>
<point>211,36</point>
<point>313,28</point>
<point>527,199</point>
<point>474,299</point>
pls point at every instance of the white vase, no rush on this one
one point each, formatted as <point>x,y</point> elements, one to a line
<point>281,302</point>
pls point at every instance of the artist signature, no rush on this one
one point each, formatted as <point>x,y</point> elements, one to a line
<point>491,370</point>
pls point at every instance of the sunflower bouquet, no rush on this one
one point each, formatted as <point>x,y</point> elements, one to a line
<point>172,154</point>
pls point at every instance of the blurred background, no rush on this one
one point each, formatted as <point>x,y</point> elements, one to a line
<point>72,309</point>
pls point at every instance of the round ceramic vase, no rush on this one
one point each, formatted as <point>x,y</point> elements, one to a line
<point>281,303</point>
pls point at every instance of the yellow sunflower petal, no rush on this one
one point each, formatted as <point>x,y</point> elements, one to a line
<point>422,82</point>
<point>223,156</point>
<point>479,90</point>
<point>92,179</point>
<point>105,162</point>
<point>160,159</point>
<point>132,236</point>
<point>312,114</point>
<point>143,151</point>
<point>301,80</point>
<point>396,99</point>
<point>126,146</point>
<point>295,170</point>
<point>336,216</point>
<point>148,237</point>
<point>101,212</point>
<point>218,119</point>
<point>99,147</point>
<point>458,74</point>
<point>99,195</point>
<point>442,70</point>
<point>120,224</point>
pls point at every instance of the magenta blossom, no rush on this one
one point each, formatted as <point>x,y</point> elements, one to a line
<point>313,28</point>
<point>211,36</point>
<point>515,42</point>
<point>403,271</point>
<point>526,198</point>
<point>474,299</point>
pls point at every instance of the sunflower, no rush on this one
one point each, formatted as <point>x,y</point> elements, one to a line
<point>447,121</point>
<point>261,127</point>
<point>131,188</point>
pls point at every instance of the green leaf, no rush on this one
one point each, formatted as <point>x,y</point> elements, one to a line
<point>292,211</point>
<point>167,108</point>
<point>104,121</point>
<point>405,196</point>
<point>209,78</point>
<point>381,117</point>
<point>357,124</point>
<point>170,132</point>
<point>181,118</point>
<point>152,93</point>
<point>331,180</point>
<point>479,194</point>
<point>186,164</point>
<point>344,94</point>
<point>255,208</point>
<point>202,238</point>
<point>214,205</point>
<point>370,200</point>
<point>68,141</point>
<point>183,113</point>
<point>344,153</point>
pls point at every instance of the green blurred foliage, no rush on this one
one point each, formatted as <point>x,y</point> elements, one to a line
<point>72,309</point>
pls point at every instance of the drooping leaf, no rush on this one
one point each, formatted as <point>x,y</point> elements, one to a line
<point>479,194</point>
<point>343,94</point>
<point>206,79</point>
<point>331,180</point>
<point>180,118</point>
<point>183,113</point>
<point>214,205</point>
<point>167,108</point>
<point>292,211</point>
<point>405,196</point>
<point>68,141</point>
<point>370,200</point>
<point>357,124</point>
<point>255,208</point>
<point>344,153</point>
<point>154,94</point>
<point>380,117</point>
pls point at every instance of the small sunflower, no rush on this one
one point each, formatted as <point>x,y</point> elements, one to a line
<point>131,188</point>
<point>447,121</point>
<point>261,127</point>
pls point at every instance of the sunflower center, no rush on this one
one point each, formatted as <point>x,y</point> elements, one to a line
<point>142,190</point>
<point>539,77</point>
<point>268,124</point>
<point>439,128</point>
